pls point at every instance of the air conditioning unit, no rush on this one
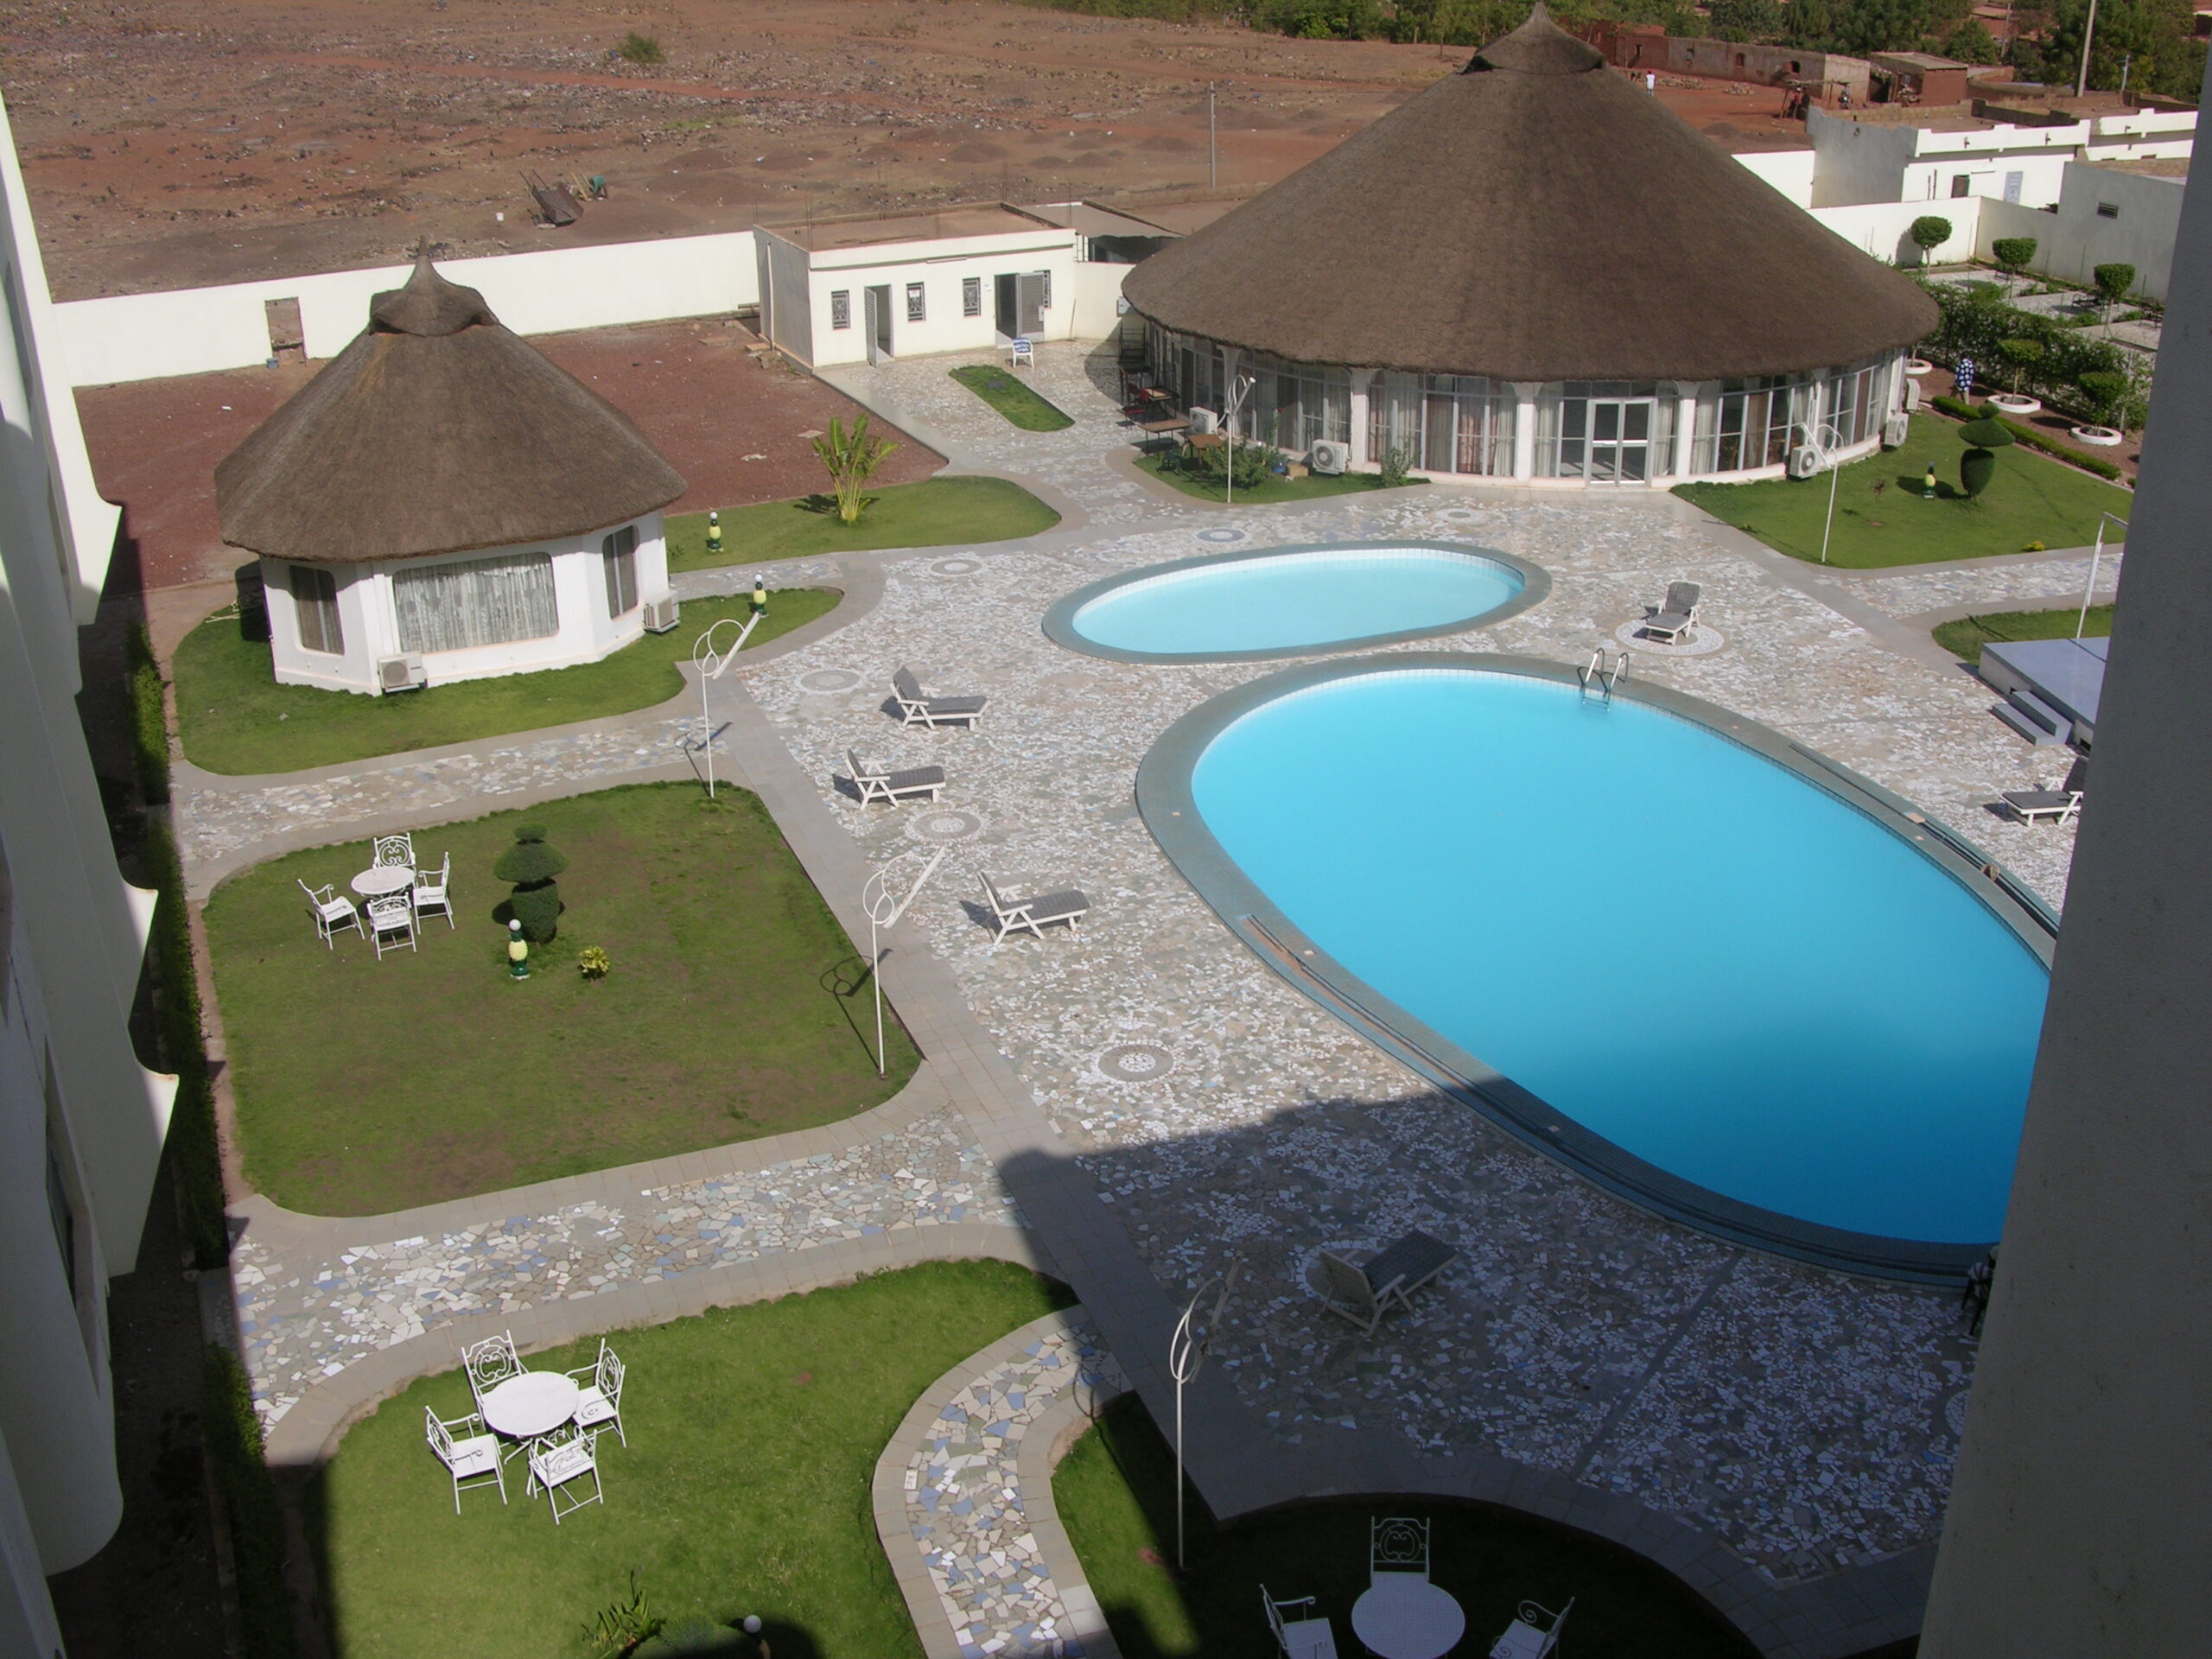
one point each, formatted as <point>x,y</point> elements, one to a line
<point>1804,460</point>
<point>1912,396</point>
<point>661,613</point>
<point>401,673</point>
<point>1327,455</point>
<point>1896,427</point>
<point>1204,420</point>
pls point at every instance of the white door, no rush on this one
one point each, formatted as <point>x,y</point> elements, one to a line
<point>1620,441</point>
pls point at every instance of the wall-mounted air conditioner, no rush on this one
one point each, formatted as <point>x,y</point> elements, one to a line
<point>1912,396</point>
<point>1896,427</point>
<point>661,613</point>
<point>1804,460</point>
<point>401,673</point>
<point>1204,420</point>
<point>1327,455</point>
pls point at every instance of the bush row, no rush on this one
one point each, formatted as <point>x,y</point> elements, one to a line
<point>1975,323</point>
<point>1959,408</point>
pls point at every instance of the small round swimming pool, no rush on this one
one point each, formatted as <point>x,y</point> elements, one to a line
<point>1290,601</point>
<point>1681,955</point>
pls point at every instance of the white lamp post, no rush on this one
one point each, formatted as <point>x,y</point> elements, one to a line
<point>884,909</point>
<point>1826,441</point>
<point>1186,1357</point>
<point>2096,558</point>
<point>1238,393</point>
<point>710,666</point>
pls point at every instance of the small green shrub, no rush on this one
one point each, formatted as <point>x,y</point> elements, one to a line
<point>1244,464</point>
<point>2022,354</point>
<point>531,864</point>
<point>2103,391</point>
<point>1930,233</point>
<point>639,49</point>
<point>626,1624</point>
<point>1396,464</point>
<point>593,962</point>
<point>2013,253</point>
<point>2114,282</point>
<point>1959,408</point>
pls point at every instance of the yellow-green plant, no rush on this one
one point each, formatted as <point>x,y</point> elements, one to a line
<point>852,458</point>
<point>626,1624</point>
<point>593,962</point>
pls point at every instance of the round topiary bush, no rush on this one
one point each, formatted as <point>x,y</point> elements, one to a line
<point>2104,390</point>
<point>531,864</point>
<point>1979,465</point>
<point>2013,253</point>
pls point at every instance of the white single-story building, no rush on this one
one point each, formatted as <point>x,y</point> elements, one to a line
<point>442,503</point>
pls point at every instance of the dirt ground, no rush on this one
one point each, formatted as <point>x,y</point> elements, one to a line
<point>172,143</point>
<point>738,431</point>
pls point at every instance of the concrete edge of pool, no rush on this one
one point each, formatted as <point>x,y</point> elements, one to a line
<point>1059,617</point>
<point>1170,811</point>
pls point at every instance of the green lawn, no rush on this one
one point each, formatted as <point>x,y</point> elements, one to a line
<point>1164,467</point>
<point>754,1435</point>
<point>736,1008</point>
<point>1881,518</point>
<point>936,513</point>
<point>235,718</point>
<point>1965,637</point>
<point>1013,397</point>
<point>1115,1495</point>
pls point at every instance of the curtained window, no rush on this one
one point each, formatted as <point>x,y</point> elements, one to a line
<point>476,602</point>
<point>619,553</point>
<point>314,607</point>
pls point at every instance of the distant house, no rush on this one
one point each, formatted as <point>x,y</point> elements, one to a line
<point>444,503</point>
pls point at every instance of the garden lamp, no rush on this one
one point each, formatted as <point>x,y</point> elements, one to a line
<point>713,532</point>
<point>517,951</point>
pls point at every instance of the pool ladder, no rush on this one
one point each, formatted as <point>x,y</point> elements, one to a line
<point>1601,674</point>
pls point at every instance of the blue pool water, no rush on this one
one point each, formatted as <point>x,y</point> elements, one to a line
<point>1688,949</point>
<point>1296,600</point>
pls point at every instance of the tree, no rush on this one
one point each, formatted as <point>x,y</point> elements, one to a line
<point>1971,43</point>
<point>2105,390</point>
<point>531,863</point>
<point>852,458</point>
<point>2022,354</point>
<point>2013,253</point>
<point>1930,233</point>
<point>2113,283</point>
<point>1746,20</point>
<point>1978,465</point>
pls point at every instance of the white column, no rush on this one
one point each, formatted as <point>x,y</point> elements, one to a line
<point>1524,427</point>
<point>1363,389</point>
<point>1685,425</point>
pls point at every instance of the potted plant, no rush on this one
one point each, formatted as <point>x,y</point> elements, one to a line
<point>1983,438</point>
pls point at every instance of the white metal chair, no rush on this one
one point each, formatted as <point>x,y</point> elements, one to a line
<point>392,849</point>
<point>332,911</point>
<point>601,1401</point>
<point>1397,1543</point>
<point>1534,1633</point>
<point>490,1362</point>
<point>1298,1638</point>
<point>566,1455</point>
<point>433,892</point>
<point>472,1460</point>
<point>1033,915</point>
<point>391,918</point>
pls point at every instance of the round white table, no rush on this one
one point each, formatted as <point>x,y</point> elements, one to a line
<point>536,1402</point>
<point>1403,1616</point>
<point>375,882</point>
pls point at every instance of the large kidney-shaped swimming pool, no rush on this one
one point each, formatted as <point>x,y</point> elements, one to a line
<point>1755,984</point>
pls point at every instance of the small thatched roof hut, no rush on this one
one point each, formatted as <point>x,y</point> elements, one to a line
<point>435,431</point>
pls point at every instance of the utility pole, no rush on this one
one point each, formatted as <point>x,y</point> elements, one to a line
<point>2088,35</point>
<point>1213,168</point>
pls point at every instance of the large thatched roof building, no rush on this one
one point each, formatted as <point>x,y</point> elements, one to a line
<point>441,502</point>
<point>1534,270</point>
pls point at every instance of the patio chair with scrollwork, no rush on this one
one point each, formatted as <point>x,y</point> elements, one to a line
<point>397,850</point>
<point>1397,1543</point>
<point>600,1399</point>
<point>471,1460</point>
<point>560,1459</point>
<point>490,1362</point>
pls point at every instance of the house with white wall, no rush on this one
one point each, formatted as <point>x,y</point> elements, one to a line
<point>1855,162</point>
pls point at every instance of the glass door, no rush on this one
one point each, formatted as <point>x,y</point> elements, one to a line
<point>1620,441</point>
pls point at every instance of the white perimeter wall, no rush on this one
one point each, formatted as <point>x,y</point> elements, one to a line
<point>1882,228</point>
<point>197,330</point>
<point>2073,242</point>
<point>1789,171</point>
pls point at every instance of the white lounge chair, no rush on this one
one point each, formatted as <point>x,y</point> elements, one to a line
<point>1670,621</point>
<point>391,918</point>
<point>490,1362</point>
<point>1534,1633</point>
<point>471,1460</point>
<point>565,1456</point>
<point>434,892</point>
<point>915,709</point>
<point>332,911</point>
<point>1298,1638</point>
<point>1034,915</point>
<point>2059,805</point>
<point>392,849</point>
<point>879,784</point>
<point>601,1399</point>
<point>1364,1294</point>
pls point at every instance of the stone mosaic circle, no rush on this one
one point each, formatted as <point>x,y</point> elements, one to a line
<point>1700,641</point>
<point>1223,534</point>
<point>949,823</point>
<point>1135,1063</point>
<point>827,681</point>
<point>957,566</point>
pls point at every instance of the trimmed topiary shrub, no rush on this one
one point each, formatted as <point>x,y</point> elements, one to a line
<point>2103,392</point>
<point>2013,253</point>
<point>1979,465</point>
<point>1930,233</point>
<point>531,864</point>
<point>2022,354</point>
<point>2114,282</point>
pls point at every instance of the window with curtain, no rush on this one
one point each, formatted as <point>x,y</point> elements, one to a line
<point>619,553</point>
<point>1748,424</point>
<point>1445,423</point>
<point>315,609</point>
<point>1295,405</point>
<point>476,602</point>
<point>1190,365</point>
<point>1847,402</point>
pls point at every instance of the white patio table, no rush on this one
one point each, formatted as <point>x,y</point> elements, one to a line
<point>534,1404</point>
<point>383,879</point>
<point>1403,1616</point>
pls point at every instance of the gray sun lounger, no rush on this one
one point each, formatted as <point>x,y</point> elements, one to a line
<point>1673,620</point>
<point>1364,1294</point>
<point>876,784</point>
<point>1033,915</point>
<point>915,709</point>
<point>2060,804</point>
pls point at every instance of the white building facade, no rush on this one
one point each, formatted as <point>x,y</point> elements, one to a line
<point>1857,161</point>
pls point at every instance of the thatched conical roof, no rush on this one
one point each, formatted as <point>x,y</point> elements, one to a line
<point>435,431</point>
<point>1537,217</point>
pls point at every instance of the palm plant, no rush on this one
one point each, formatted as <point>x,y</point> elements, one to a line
<point>852,458</point>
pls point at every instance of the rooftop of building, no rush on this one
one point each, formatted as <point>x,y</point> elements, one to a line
<point>978,218</point>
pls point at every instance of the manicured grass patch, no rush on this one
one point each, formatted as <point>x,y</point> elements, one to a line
<point>736,1008</point>
<point>235,718</point>
<point>1881,518</point>
<point>754,1435</point>
<point>1965,637</point>
<point>1013,397</point>
<point>1116,1496</point>
<point>1164,467</point>
<point>936,513</point>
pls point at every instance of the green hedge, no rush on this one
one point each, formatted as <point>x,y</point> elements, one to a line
<point>1958,409</point>
<point>233,1430</point>
<point>1974,326</point>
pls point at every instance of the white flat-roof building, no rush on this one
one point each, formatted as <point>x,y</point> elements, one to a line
<point>1862,162</point>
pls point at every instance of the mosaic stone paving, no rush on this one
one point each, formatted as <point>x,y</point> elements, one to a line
<point>964,1497</point>
<point>303,1321</point>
